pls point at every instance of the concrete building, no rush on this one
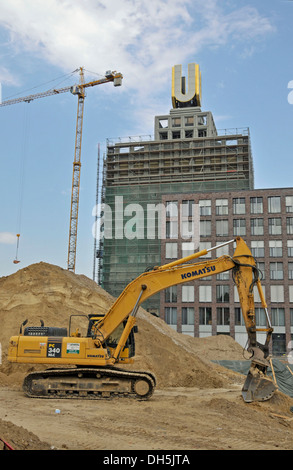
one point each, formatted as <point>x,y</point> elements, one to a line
<point>189,160</point>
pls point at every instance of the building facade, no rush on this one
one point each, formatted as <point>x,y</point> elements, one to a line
<point>210,306</point>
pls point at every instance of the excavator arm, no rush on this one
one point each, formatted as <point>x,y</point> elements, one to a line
<point>245,275</point>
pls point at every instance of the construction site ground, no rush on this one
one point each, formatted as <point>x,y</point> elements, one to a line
<point>197,404</point>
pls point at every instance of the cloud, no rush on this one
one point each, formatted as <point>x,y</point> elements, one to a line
<point>7,77</point>
<point>7,238</point>
<point>142,39</point>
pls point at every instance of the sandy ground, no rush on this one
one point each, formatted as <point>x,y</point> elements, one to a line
<point>174,419</point>
<point>197,404</point>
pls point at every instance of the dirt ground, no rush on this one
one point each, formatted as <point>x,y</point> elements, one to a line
<point>197,404</point>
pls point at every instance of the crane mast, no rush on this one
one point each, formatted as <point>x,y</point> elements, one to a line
<point>79,90</point>
<point>76,178</point>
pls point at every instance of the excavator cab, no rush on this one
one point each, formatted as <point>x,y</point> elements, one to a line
<point>113,340</point>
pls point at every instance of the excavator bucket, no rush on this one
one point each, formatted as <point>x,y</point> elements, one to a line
<point>257,386</point>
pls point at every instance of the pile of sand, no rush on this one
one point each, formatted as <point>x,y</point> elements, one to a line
<point>50,293</point>
<point>19,438</point>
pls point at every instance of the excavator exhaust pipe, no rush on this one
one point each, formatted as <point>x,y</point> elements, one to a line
<point>258,386</point>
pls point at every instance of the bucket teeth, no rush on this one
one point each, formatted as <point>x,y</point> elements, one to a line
<point>257,387</point>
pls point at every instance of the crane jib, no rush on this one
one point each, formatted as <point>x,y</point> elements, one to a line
<point>205,270</point>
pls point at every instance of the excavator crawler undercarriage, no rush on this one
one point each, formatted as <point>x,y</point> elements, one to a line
<point>89,383</point>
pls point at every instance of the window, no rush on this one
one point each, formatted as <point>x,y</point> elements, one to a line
<point>261,267</point>
<point>290,247</point>
<point>276,271</point>
<point>205,315</point>
<point>223,276</point>
<point>223,250</point>
<point>256,226</point>
<point>274,204</point>
<point>277,294</point>
<point>202,133</point>
<point>221,206</point>
<point>187,316</point>
<point>275,226</point>
<point>202,120</point>
<point>278,317</point>
<point>163,135</point>
<point>187,293</point>
<point>171,294</point>
<point>289,225</point>
<point>205,293</point>
<point>187,249</point>
<point>291,317</point>
<point>205,228</point>
<point>289,203</point>
<point>223,316</point>
<point>222,229</point>
<point>176,135</point>
<point>239,227</point>
<point>187,208</point>
<point>171,315</point>
<point>171,208</point>
<point>163,123</point>
<point>205,207</point>
<point>205,246</point>
<point>290,270</point>
<point>238,316</point>
<point>171,229</point>
<point>239,205</point>
<point>189,134</point>
<point>187,229</point>
<point>260,317</point>
<point>222,293</point>
<point>279,344</point>
<point>257,248</point>
<point>189,121</point>
<point>171,250</point>
<point>256,205</point>
<point>291,294</point>
<point>176,122</point>
<point>275,248</point>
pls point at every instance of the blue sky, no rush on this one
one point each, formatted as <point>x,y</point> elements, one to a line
<point>244,49</point>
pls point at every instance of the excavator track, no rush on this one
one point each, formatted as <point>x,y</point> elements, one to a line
<point>89,383</point>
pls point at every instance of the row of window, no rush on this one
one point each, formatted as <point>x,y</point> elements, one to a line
<point>223,316</point>
<point>189,121</point>
<point>276,249</point>
<point>239,206</point>
<point>222,227</point>
<point>223,293</point>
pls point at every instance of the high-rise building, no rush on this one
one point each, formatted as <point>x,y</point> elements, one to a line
<point>188,154</point>
<point>188,163</point>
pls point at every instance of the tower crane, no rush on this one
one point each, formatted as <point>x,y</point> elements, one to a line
<point>79,90</point>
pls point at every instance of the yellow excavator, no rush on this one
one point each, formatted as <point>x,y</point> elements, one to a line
<point>87,365</point>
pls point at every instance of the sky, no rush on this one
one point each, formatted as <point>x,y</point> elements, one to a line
<point>243,48</point>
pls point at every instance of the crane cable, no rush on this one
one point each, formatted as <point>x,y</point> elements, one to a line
<point>22,177</point>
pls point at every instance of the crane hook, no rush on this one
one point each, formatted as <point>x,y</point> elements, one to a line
<point>16,261</point>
